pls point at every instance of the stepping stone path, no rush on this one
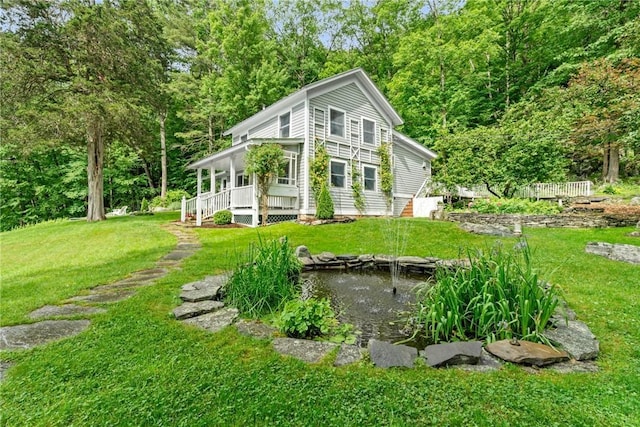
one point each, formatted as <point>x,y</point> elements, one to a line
<point>305,350</point>
<point>202,307</point>
<point>387,355</point>
<point>64,310</point>
<point>455,353</point>
<point>31,335</point>
<point>527,353</point>
<point>34,334</point>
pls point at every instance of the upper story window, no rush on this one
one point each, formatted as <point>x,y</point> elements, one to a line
<point>368,131</point>
<point>243,138</point>
<point>285,125</point>
<point>355,132</point>
<point>336,122</point>
<point>369,177</point>
<point>338,175</point>
<point>319,123</point>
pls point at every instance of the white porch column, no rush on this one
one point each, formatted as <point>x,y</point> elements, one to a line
<point>232,174</point>
<point>198,201</point>
<point>212,178</point>
<point>183,209</point>
<point>198,212</point>
<point>199,187</point>
<point>255,205</point>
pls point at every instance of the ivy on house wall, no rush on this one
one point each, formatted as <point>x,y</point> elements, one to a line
<point>386,175</point>
<point>319,177</point>
<point>356,188</point>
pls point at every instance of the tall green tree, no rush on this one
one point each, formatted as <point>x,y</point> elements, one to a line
<point>83,71</point>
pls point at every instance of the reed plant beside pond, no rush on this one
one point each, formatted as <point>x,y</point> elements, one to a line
<point>497,296</point>
<point>265,279</point>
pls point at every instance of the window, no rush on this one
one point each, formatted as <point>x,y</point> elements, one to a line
<point>338,178</point>
<point>369,177</point>
<point>318,123</point>
<point>243,138</point>
<point>285,125</point>
<point>242,180</point>
<point>384,135</point>
<point>355,132</point>
<point>368,131</point>
<point>336,119</point>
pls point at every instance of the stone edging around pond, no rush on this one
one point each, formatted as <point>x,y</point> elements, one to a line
<point>202,307</point>
<point>406,264</point>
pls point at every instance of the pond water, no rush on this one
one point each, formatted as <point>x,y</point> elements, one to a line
<point>367,301</point>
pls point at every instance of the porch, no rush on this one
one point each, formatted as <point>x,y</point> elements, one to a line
<point>231,188</point>
<point>243,204</point>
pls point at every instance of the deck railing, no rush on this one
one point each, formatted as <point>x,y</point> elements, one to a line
<point>241,197</point>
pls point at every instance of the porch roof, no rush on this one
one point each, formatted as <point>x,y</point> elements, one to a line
<point>219,160</point>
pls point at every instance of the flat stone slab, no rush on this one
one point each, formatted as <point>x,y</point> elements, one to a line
<point>120,286</point>
<point>255,329</point>
<point>576,338</point>
<point>207,282</point>
<point>188,246</point>
<point>526,352</point>
<point>387,355</point>
<point>64,310</point>
<point>105,297</point>
<point>209,293</point>
<point>347,355</point>
<point>453,353</point>
<point>177,255</point>
<point>412,260</point>
<point>302,252</point>
<point>487,229</point>
<point>193,309</point>
<point>616,252</point>
<point>487,363</point>
<point>305,350</point>
<point>156,272</point>
<point>327,257</point>
<point>34,334</point>
<point>216,321</point>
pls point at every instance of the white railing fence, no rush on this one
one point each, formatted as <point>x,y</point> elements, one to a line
<point>544,190</point>
<point>241,197</point>
<point>550,190</point>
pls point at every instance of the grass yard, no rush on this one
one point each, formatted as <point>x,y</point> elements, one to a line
<point>137,366</point>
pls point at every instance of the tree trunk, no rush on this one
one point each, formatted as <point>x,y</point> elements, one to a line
<point>95,171</point>
<point>163,154</point>
<point>614,164</point>
<point>605,161</point>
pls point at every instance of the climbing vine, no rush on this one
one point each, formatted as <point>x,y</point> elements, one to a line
<point>386,176</point>
<point>356,188</point>
<point>319,177</point>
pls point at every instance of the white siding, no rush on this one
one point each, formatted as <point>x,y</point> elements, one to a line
<point>356,106</point>
<point>267,129</point>
<point>297,121</point>
<point>408,173</point>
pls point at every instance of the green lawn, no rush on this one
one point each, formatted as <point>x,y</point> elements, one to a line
<point>137,366</point>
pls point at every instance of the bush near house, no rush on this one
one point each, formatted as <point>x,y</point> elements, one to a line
<point>222,217</point>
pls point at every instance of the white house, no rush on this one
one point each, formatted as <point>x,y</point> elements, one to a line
<point>350,116</point>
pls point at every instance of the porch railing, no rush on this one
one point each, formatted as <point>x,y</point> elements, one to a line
<point>241,197</point>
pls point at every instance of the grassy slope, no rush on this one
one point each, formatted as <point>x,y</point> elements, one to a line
<point>136,366</point>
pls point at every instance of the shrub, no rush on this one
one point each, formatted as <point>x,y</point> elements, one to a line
<point>265,280</point>
<point>307,319</point>
<point>324,210</point>
<point>609,189</point>
<point>174,198</point>
<point>499,296</point>
<point>144,205</point>
<point>222,217</point>
<point>507,206</point>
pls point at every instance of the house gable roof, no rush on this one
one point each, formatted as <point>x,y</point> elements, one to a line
<point>357,74</point>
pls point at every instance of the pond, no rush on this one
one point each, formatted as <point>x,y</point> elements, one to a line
<point>367,301</point>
